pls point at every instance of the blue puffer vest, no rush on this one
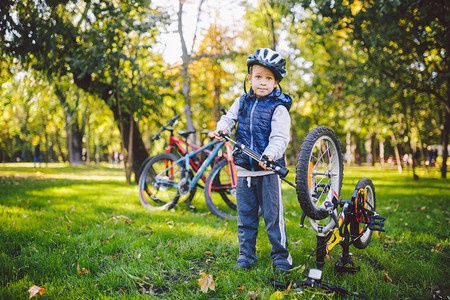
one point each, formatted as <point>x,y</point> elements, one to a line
<point>254,124</point>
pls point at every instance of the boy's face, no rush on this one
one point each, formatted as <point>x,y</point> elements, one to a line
<point>262,80</point>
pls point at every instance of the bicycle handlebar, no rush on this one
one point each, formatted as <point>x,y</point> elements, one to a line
<point>170,123</point>
<point>272,165</point>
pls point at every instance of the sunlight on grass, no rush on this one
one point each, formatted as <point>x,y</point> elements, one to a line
<point>57,218</point>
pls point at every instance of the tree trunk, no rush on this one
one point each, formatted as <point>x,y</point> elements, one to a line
<point>348,148</point>
<point>373,148</point>
<point>58,144</point>
<point>88,143</point>
<point>445,134</point>
<point>294,148</point>
<point>130,150</point>
<point>46,146</point>
<point>186,57</point>
<point>122,132</point>
<point>272,25</point>
<point>397,154</point>
<point>382,152</point>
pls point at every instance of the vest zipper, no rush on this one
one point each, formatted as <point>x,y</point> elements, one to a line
<point>251,131</point>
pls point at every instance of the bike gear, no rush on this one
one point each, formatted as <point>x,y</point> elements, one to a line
<point>269,59</point>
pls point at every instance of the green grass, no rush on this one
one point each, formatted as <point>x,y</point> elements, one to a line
<point>56,218</point>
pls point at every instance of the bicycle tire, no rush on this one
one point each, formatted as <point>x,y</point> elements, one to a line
<point>363,196</point>
<point>141,168</point>
<point>219,195</point>
<point>156,194</point>
<point>319,172</point>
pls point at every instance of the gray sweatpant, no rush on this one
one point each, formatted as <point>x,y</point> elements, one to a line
<point>265,192</point>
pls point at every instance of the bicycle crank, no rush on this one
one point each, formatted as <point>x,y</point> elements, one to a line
<point>184,186</point>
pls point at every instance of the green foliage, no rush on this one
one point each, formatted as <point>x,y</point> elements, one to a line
<point>56,218</point>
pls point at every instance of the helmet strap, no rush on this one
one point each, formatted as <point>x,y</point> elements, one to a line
<point>245,86</point>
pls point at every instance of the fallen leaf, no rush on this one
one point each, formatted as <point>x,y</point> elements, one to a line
<point>150,229</point>
<point>387,278</point>
<point>137,255</point>
<point>276,296</point>
<point>107,240</point>
<point>44,230</point>
<point>205,214</point>
<point>206,282</point>
<point>82,270</point>
<point>252,294</point>
<point>34,290</point>
<point>288,288</point>
<point>242,288</point>
<point>208,253</point>
<point>328,258</point>
<point>297,242</point>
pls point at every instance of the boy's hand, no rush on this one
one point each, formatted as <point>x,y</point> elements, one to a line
<point>216,135</point>
<point>263,164</point>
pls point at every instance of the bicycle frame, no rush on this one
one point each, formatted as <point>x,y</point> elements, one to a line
<point>180,145</point>
<point>187,159</point>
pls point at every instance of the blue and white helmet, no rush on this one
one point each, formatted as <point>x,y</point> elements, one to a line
<point>270,59</point>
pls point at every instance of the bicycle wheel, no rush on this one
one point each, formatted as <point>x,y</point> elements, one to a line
<point>141,168</point>
<point>364,203</point>
<point>219,194</point>
<point>319,173</point>
<point>158,189</point>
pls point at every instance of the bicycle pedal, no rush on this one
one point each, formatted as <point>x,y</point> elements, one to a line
<point>376,223</point>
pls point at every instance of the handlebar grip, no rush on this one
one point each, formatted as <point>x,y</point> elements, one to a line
<point>171,122</point>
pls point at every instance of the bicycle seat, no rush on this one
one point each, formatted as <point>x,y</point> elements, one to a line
<point>185,133</point>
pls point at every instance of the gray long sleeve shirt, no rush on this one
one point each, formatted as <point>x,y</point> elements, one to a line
<point>278,139</point>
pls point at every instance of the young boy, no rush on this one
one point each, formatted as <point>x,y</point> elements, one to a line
<point>263,124</point>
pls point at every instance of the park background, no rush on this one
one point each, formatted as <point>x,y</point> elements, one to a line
<point>89,80</point>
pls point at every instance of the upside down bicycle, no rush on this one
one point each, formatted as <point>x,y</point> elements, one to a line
<point>319,175</point>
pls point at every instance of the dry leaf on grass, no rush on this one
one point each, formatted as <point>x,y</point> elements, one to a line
<point>297,242</point>
<point>206,282</point>
<point>387,278</point>
<point>242,288</point>
<point>208,253</point>
<point>82,270</point>
<point>34,290</point>
<point>150,229</point>
<point>288,288</point>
